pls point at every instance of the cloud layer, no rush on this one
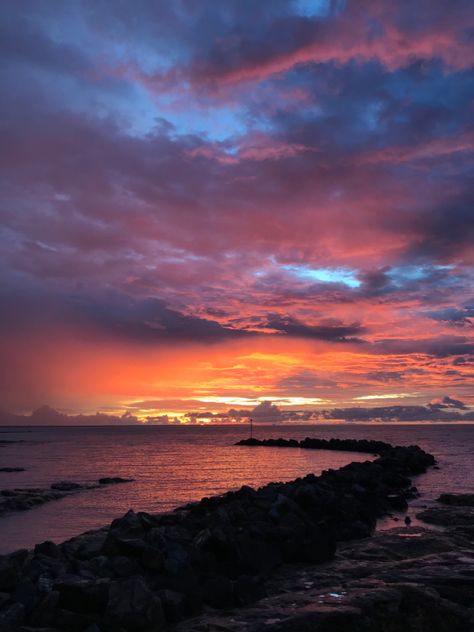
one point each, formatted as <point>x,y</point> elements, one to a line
<point>214,201</point>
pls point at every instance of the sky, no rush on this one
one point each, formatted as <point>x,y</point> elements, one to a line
<point>228,204</point>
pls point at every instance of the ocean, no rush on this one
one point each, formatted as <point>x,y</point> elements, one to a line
<point>174,465</point>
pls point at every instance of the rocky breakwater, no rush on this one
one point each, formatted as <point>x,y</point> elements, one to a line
<point>147,572</point>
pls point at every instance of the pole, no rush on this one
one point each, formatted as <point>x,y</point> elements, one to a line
<point>251,427</point>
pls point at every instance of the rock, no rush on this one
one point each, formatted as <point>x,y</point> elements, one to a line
<point>10,569</point>
<point>82,595</point>
<point>12,616</point>
<point>218,592</point>
<point>12,469</point>
<point>132,606</point>
<point>397,502</point>
<point>114,480</point>
<point>247,590</point>
<point>463,500</point>
<point>85,546</point>
<point>127,526</point>
<point>45,612</point>
<point>74,621</point>
<point>66,486</point>
<point>49,549</point>
<point>26,593</point>
<point>448,516</point>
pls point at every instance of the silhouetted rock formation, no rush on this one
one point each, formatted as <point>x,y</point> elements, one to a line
<point>24,498</point>
<point>145,571</point>
<point>365,446</point>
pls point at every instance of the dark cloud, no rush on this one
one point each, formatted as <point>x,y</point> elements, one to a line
<point>385,376</point>
<point>438,347</point>
<point>447,231</point>
<point>47,416</point>
<point>464,361</point>
<point>304,382</point>
<point>117,316</point>
<point>463,317</point>
<point>337,332</point>
<point>449,402</point>
<point>447,410</point>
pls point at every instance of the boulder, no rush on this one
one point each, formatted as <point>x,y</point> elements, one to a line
<point>457,500</point>
<point>114,480</point>
<point>49,549</point>
<point>66,486</point>
<point>77,594</point>
<point>132,606</point>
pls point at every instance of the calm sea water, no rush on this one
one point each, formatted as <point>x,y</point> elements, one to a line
<point>173,465</point>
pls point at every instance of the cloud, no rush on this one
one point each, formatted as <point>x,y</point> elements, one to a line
<point>335,332</point>
<point>449,402</point>
<point>148,320</point>
<point>48,416</point>
<point>266,412</point>
<point>374,32</point>
<point>447,410</point>
<point>290,189</point>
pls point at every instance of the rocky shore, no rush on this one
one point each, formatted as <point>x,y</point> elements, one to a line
<point>408,579</point>
<point>24,498</point>
<point>151,572</point>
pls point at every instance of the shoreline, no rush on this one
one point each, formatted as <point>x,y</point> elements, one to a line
<point>148,572</point>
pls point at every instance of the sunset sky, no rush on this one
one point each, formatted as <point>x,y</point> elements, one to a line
<point>209,204</point>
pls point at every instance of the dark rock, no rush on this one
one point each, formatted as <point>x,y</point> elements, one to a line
<point>462,500</point>
<point>81,595</point>
<point>12,469</point>
<point>132,606</point>
<point>114,480</point>
<point>12,616</point>
<point>123,566</point>
<point>397,502</point>
<point>74,621</point>
<point>49,549</point>
<point>247,590</point>
<point>26,593</point>
<point>45,612</point>
<point>128,526</point>
<point>85,546</point>
<point>218,592</point>
<point>448,516</point>
<point>10,568</point>
<point>66,486</point>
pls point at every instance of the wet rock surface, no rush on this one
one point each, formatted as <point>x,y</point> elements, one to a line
<point>24,498</point>
<point>148,572</point>
<point>455,512</point>
<point>403,580</point>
